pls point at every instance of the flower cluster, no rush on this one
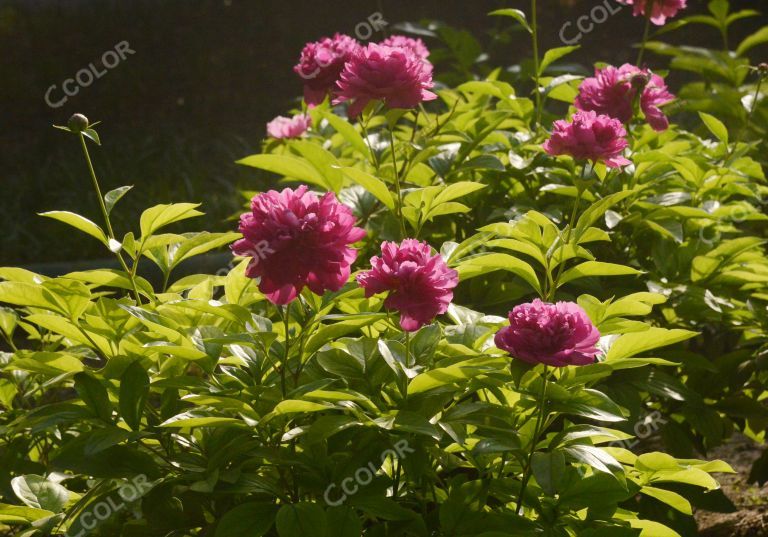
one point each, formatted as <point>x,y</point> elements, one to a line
<point>614,91</point>
<point>394,75</point>
<point>321,63</point>
<point>395,71</point>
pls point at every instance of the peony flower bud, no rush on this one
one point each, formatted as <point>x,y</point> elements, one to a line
<point>77,123</point>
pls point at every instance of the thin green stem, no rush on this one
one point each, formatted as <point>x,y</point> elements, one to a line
<point>536,61</point>
<point>284,364</point>
<point>646,33</point>
<point>108,223</point>
<point>535,439</point>
<point>408,349</point>
<point>9,339</point>
<point>566,241</point>
<point>374,158</point>
<point>398,190</point>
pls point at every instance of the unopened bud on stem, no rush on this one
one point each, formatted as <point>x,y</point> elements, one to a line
<point>77,123</point>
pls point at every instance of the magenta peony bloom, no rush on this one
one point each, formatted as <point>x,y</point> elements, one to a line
<point>394,75</point>
<point>612,92</point>
<point>660,10</point>
<point>552,334</point>
<point>589,137</point>
<point>416,46</point>
<point>420,284</point>
<point>289,127</point>
<point>321,63</point>
<point>296,239</point>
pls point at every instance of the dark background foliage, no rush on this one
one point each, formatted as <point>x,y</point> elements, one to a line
<point>205,77</point>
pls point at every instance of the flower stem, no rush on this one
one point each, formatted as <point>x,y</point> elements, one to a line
<point>284,364</point>
<point>105,214</point>
<point>535,439</point>
<point>398,190</point>
<point>566,240</point>
<point>536,62</point>
<point>646,33</point>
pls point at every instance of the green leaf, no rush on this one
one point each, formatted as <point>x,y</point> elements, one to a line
<point>301,520</point>
<point>289,166</point>
<point>8,321</point>
<point>134,390</point>
<point>158,216</point>
<point>596,268</point>
<point>347,131</point>
<point>13,514</point>
<point>597,458</point>
<point>113,196</point>
<point>92,135</point>
<point>333,331</point>
<point>251,518</point>
<point>757,38</point>
<point>597,210</point>
<point>344,521</point>
<point>492,262</point>
<point>28,294</point>
<point>632,344</point>
<point>78,222</point>
<point>670,498</point>
<point>37,492</point>
<point>554,54</point>
<point>186,420</point>
<point>457,190</point>
<point>94,395</point>
<point>549,470</point>
<point>715,126</point>
<point>375,186</point>
<point>516,14</point>
<point>460,372</point>
<point>650,528</point>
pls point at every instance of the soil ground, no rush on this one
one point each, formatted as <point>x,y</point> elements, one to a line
<point>751,519</point>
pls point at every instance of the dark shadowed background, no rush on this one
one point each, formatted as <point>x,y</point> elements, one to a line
<point>194,96</point>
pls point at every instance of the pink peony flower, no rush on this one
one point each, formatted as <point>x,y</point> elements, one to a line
<point>286,127</point>
<point>420,284</point>
<point>589,137</point>
<point>416,46</point>
<point>660,9</point>
<point>553,334</point>
<point>296,239</point>
<point>321,63</point>
<point>612,92</point>
<point>394,75</point>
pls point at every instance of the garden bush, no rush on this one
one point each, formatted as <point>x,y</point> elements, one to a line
<point>452,318</point>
